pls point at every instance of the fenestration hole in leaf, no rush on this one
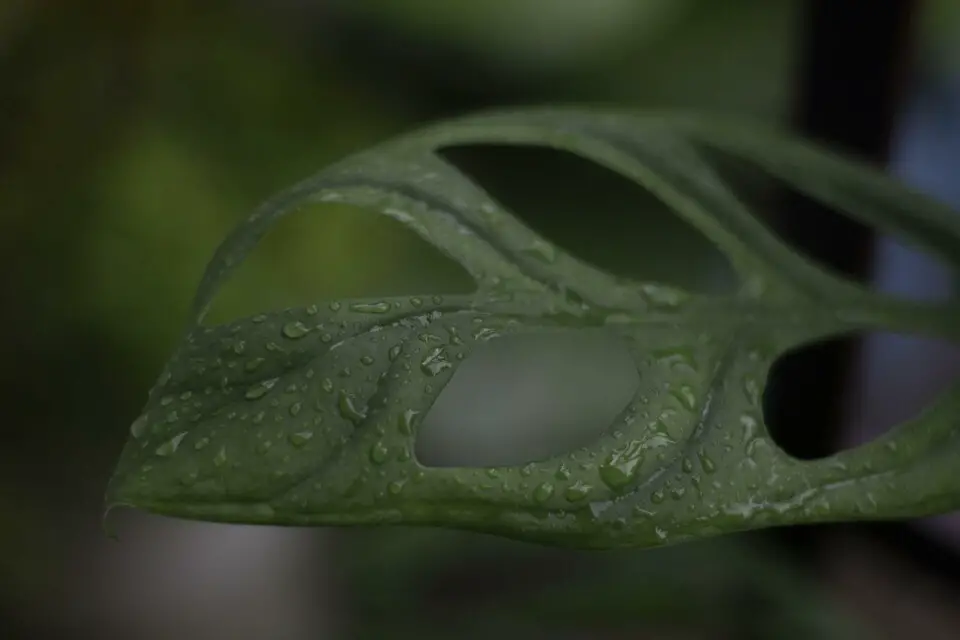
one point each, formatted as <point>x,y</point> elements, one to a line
<point>596,215</point>
<point>335,251</point>
<point>836,241</point>
<point>519,399</point>
<point>840,393</point>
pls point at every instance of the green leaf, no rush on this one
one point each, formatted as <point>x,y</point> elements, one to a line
<point>308,416</point>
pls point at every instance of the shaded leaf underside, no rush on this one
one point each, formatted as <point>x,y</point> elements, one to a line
<point>309,416</point>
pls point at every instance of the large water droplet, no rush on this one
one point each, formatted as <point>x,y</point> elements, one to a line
<point>349,410</point>
<point>709,466</point>
<point>295,330</point>
<point>201,443</point>
<point>543,492</point>
<point>577,491</point>
<point>300,438</point>
<point>327,385</point>
<point>253,364</point>
<point>618,470</point>
<point>170,446</point>
<point>405,422</point>
<point>139,426</point>
<point>436,362</point>
<point>366,360</point>
<point>220,458</point>
<point>295,408</point>
<point>370,307</point>
<point>379,453</point>
<point>260,389</point>
<point>395,488</point>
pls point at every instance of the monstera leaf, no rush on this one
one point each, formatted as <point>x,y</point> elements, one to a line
<point>309,416</point>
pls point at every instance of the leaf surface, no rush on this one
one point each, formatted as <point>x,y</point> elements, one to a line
<point>308,416</point>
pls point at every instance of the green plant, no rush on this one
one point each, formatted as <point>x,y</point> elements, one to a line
<point>689,457</point>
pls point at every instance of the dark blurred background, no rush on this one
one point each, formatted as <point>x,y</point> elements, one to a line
<point>133,135</point>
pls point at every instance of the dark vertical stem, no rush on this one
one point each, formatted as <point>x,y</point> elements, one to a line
<point>851,68</point>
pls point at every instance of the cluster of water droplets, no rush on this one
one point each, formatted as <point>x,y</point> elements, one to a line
<point>276,395</point>
<point>282,394</point>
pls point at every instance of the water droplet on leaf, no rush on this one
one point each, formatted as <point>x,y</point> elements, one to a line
<point>300,438</point>
<point>139,426</point>
<point>170,446</point>
<point>295,330</point>
<point>619,468</point>
<point>405,422</point>
<point>543,492</point>
<point>436,362</point>
<point>379,453</point>
<point>370,307</point>
<point>349,410</point>
<point>709,466</point>
<point>577,491</point>
<point>260,389</point>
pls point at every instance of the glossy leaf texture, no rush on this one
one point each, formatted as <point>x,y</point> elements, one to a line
<point>308,416</point>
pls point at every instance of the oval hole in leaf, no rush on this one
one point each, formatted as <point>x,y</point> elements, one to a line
<point>519,399</point>
<point>596,215</point>
<point>837,242</point>
<point>333,251</point>
<point>840,393</point>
